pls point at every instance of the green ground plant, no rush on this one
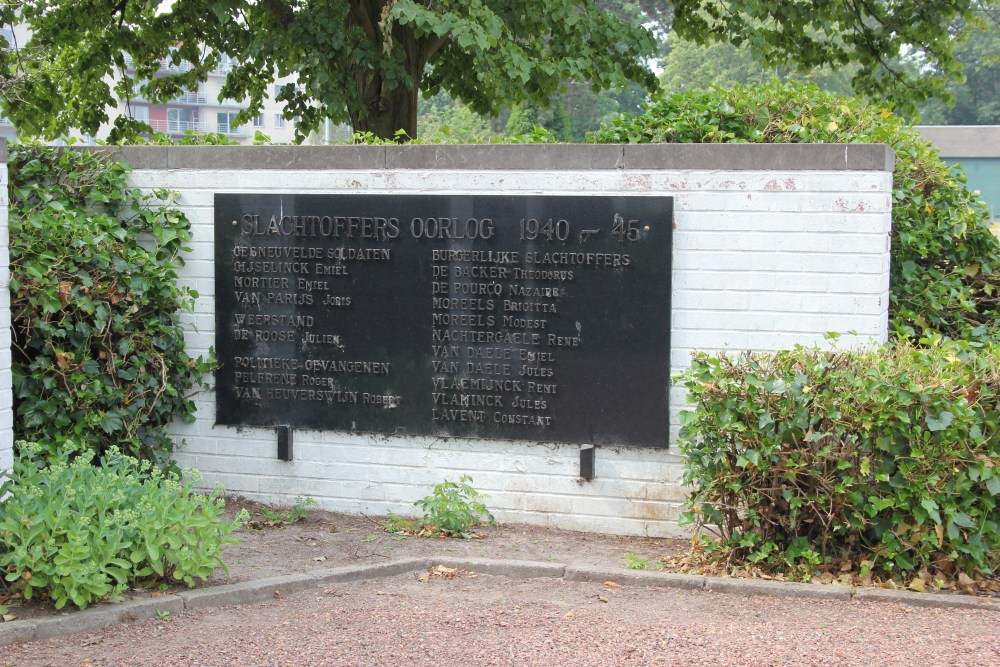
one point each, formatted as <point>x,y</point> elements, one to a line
<point>453,509</point>
<point>299,511</point>
<point>99,355</point>
<point>945,271</point>
<point>75,532</point>
<point>633,562</point>
<point>882,461</point>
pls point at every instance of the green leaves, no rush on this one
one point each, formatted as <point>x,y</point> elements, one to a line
<point>79,533</point>
<point>945,264</point>
<point>904,55</point>
<point>940,422</point>
<point>454,508</point>
<point>100,355</point>
<point>356,61</point>
<point>806,456</point>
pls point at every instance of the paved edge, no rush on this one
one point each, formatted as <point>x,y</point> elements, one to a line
<point>258,590</point>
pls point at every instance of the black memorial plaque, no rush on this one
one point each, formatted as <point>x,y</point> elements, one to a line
<point>524,317</point>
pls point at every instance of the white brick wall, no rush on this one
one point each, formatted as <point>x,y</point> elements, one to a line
<point>762,260</point>
<point>6,392</point>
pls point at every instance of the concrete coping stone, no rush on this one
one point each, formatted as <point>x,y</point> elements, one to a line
<point>512,157</point>
<point>258,590</point>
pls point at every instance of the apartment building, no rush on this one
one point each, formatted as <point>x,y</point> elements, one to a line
<point>202,110</point>
<point>205,110</point>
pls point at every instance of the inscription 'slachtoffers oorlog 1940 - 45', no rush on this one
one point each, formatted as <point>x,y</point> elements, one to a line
<point>523,317</point>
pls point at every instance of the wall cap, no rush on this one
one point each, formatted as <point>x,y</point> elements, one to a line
<point>514,157</point>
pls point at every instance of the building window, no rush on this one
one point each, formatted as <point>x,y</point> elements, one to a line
<point>279,121</point>
<point>140,113</point>
<point>227,63</point>
<point>181,120</point>
<point>227,122</point>
<point>258,121</point>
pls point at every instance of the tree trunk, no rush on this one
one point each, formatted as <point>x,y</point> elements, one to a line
<point>388,106</point>
<point>386,114</point>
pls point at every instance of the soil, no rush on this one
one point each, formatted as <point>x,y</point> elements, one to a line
<point>327,539</point>
<point>323,540</point>
<point>465,618</point>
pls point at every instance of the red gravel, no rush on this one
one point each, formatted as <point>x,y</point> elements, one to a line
<point>483,620</point>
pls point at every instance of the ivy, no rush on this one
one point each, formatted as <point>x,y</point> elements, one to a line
<point>98,350</point>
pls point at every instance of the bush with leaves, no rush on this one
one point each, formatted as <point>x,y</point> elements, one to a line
<point>888,459</point>
<point>73,532</point>
<point>452,509</point>
<point>98,350</point>
<point>945,272</point>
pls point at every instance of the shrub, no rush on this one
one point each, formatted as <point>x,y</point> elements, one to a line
<point>945,272</point>
<point>98,350</point>
<point>74,532</point>
<point>887,459</point>
<point>454,508</point>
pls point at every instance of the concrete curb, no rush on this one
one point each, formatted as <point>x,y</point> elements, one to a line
<point>637,578</point>
<point>516,569</point>
<point>779,589</point>
<point>259,590</point>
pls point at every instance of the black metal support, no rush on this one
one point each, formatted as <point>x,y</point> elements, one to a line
<point>587,461</point>
<point>285,443</point>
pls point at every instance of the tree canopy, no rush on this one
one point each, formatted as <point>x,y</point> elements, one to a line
<point>977,100</point>
<point>359,61</point>
<point>905,48</point>
<point>691,66</point>
<point>366,61</point>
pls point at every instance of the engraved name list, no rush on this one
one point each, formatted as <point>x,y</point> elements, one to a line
<point>525,317</point>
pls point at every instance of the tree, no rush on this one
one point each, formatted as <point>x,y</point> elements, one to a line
<point>905,48</point>
<point>366,61</point>
<point>359,61</point>
<point>440,117</point>
<point>523,119</point>
<point>977,99</point>
<point>691,66</point>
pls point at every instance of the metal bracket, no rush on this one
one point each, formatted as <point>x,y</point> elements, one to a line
<point>284,443</point>
<point>587,461</point>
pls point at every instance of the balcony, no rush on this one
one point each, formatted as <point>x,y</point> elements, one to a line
<point>190,98</point>
<point>165,65</point>
<point>177,126</point>
<point>233,130</point>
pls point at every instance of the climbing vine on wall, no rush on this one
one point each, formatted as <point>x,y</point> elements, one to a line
<point>99,355</point>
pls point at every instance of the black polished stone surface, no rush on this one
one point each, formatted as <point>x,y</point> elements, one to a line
<point>524,317</point>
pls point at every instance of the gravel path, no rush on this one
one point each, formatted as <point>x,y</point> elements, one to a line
<point>484,620</point>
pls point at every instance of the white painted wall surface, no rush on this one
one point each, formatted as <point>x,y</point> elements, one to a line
<point>6,391</point>
<point>762,260</point>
